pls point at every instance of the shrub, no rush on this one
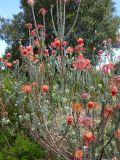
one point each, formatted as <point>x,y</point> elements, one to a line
<point>66,105</point>
<point>21,149</point>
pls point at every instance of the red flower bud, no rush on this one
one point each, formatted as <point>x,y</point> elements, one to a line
<point>114,91</point>
<point>25,52</point>
<point>45,88</point>
<point>80,41</point>
<point>8,55</point>
<point>27,89</point>
<point>91,105</point>
<point>70,120</point>
<point>8,64</point>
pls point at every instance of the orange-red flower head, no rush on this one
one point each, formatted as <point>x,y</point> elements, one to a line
<point>69,50</point>
<point>8,55</point>
<point>27,88</point>
<point>56,44</point>
<point>70,120</point>
<point>45,88</point>
<point>8,64</point>
<point>78,154</point>
<point>89,137</point>
<point>80,41</point>
<point>114,91</point>
<point>81,63</point>
<point>25,52</point>
<point>108,68</point>
<point>108,112</point>
<point>77,107</point>
<point>91,105</point>
<point>28,25</point>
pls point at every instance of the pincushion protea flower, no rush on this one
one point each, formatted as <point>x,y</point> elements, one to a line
<point>85,96</point>
<point>91,105</point>
<point>56,44</point>
<point>86,122</point>
<point>80,41</point>
<point>78,155</point>
<point>108,68</point>
<point>45,88</point>
<point>100,52</point>
<point>8,55</point>
<point>77,107</point>
<point>28,25</point>
<point>25,52</point>
<point>27,88</point>
<point>8,64</point>
<point>81,63</point>
<point>89,137</point>
<point>69,50</point>
<point>114,91</point>
<point>116,81</point>
<point>70,120</point>
<point>108,112</point>
<point>33,33</point>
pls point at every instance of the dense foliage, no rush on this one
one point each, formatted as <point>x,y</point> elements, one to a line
<point>21,149</point>
<point>14,145</point>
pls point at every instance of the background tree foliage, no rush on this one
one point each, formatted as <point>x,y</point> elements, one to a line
<point>96,21</point>
<point>21,149</point>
